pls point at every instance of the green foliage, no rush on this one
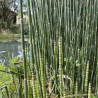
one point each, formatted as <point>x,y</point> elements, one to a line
<point>10,76</point>
<point>6,79</point>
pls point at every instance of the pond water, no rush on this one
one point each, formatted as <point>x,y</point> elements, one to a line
<point>10,49</point>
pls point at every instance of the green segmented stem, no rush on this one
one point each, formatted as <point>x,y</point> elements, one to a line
<point>76,91</point>
<point>60,66</point>
<point>55,56</point>
<point>37,86</point>
<point>89,91</point>
<point>71,88</point>
<point>34,86</point>
<point>29,88</point>
<point>26,62</point>
<point>23,51</point>
<point>42,77</point>
<point>86,80</point>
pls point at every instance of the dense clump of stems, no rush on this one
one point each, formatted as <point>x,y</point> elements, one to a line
<point>31,49</point>
<point>65,32</point>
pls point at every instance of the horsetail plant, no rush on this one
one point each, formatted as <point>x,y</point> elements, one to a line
<point>34,85</point>
<point>60,66</point>
<point>86,79</point>
<point>42,77</point>
<point>55,66</point>
<point>23,50</point>
<point>71,88</point>
<point>37,87</point>
<point>76,91</point>
<point>76,22</point>
<point>89,91</point>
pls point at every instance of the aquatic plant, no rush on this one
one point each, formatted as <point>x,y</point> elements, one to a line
<point>63,33</point>
<point>63,47</point>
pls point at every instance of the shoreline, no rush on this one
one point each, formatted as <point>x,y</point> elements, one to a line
<point>11,36</point>
<point>7,39</point>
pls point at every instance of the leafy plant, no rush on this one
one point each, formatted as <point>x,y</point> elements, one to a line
<point>9,76</point>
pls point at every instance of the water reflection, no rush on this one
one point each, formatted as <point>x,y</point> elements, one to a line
<point>9,49</point>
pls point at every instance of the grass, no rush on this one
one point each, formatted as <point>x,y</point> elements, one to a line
<point>9,35</point>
